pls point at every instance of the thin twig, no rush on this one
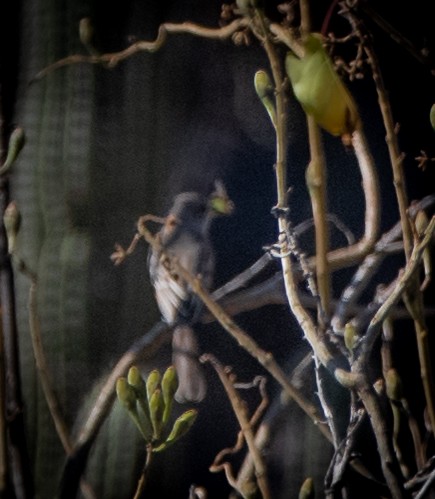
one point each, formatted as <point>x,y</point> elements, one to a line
<point>316,181</point>
<point>143,477</point>
<point>114,58</point>
<point>390,467</point>
<point>243,339</point>
<point>397,36</point>
<point>349,255</point>
<point>246,425</point>
<point>19,465</point>
<point>370,265</point>
<point>427,486</point>
<point>45,376</point>
<point>407,274</point>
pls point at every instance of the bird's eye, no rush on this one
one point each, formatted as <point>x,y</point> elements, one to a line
<point>198,210</point>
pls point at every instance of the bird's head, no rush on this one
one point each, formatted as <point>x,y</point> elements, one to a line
<point>218,202</point>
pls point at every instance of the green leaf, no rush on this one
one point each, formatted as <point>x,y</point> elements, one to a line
<point>319,89</point>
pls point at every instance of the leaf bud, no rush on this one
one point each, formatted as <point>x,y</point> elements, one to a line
<point>181,426</point>
<point>393,385</point>
<point>307,489</point>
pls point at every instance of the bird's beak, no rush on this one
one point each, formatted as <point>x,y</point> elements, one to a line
<point>219,202</point>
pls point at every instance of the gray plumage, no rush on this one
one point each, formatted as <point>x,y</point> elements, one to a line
<point>185,236</point>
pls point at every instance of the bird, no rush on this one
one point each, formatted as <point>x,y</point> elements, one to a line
<point>185,235</point>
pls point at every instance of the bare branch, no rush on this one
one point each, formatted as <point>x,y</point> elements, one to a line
<point>114,58</point>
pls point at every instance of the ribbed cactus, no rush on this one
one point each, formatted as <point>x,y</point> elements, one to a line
<point>51,177</point>
<point>61,186</point>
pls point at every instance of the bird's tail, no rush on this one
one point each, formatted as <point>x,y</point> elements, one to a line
<point>192,386</point>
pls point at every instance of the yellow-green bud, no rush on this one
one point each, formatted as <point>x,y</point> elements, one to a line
<point>153,382</point>
<point>86,31</point>
<point>169,387</point>
<point>263,84</point>
<point>249,489</point>
<point>350,336</point>
<point>421,222</point>
<point>181,426</point>
<point>393,385</point>
<point>157,408</point>
<point>307,489</point>
<point>136,381</point>
<point>432,116</point>
<point>264,89</point>
<point>16,143</point>
<point>12,222</point>
<point>126,394</point>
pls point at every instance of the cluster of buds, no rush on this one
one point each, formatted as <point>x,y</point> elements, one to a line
<point>149,405</point>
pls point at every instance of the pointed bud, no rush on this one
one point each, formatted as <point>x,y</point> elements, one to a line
<point>153,382</point>
<point>12,222</point>
<point>265,91</point>
<point>169,387</point>
<point>421,222</point>
<point>86,31</point>
<point>350,336</point>
<point>432,116</point>
<point>263,84</point>
<point>157,408</point>
<point>136,381</point>
<point>307,489</point>
<point>16,143</point>
<point>126,394</point>
<point>249,489</point>
<point>393,385</point>
<point>181,426</point>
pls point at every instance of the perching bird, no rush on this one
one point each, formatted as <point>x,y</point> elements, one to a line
<point>185,236</point>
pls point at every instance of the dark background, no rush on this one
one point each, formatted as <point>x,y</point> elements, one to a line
<point>106,145</point>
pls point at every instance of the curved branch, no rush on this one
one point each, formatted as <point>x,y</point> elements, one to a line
<point>114,58</point>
